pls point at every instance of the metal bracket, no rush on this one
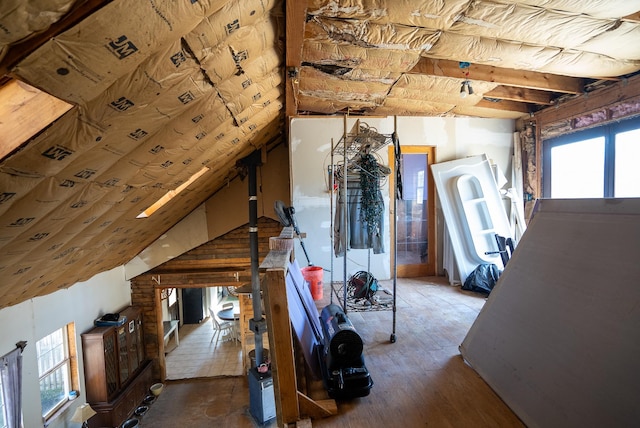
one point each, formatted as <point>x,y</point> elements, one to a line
<point>258,327</point>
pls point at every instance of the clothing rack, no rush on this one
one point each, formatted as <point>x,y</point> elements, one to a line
<point>361,139</point>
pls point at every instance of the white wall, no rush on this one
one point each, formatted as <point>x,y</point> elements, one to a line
<point>214,218</point>
<point>188,234</point>
<point>36,318</point>
<point>310,153</point>
<point>456,138</point>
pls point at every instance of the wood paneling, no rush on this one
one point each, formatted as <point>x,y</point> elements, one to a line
<point>227,253</point>
<point>601,100</point>
<point>224,261</point>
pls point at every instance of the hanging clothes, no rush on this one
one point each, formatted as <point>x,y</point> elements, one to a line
<point>398,158</point>
<point>364,228</point>
<point>356,232</point>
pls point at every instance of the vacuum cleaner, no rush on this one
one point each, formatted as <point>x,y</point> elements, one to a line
<point>344,373</point>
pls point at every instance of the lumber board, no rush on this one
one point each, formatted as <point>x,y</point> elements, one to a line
<point>281,345</point>
<point>317,408</point>
<point>276,259</point>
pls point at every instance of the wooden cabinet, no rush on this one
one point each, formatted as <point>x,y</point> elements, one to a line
<point>117,376</point>
<point>114,413</point>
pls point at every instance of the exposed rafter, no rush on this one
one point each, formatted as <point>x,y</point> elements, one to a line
<point>295,16</point>
<point>503,105</point>
<point>523,95</point>
<point>502,76</point>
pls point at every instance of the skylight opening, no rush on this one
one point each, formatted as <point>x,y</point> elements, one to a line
<point>25,111</point>
<point>171,194</point>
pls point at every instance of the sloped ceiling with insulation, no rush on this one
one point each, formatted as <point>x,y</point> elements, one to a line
<point>149,93</point>
<point>159,90</point>
<point>402,57</point>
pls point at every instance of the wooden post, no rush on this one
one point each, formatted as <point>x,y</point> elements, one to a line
<point>280,339</point>
<point>290,403</point>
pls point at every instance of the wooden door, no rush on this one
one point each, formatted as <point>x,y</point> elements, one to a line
<point>415,212</point>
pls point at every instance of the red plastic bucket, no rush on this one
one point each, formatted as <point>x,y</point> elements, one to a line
<point>313,275</point>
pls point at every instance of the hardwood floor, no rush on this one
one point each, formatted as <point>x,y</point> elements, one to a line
<point>419,381</point>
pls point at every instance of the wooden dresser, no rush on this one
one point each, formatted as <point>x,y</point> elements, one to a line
<point>117,374</point>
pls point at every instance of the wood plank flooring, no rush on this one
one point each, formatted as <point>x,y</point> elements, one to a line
<point>419,381</point>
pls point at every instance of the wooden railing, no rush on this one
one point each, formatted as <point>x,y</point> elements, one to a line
<point>292,405</point>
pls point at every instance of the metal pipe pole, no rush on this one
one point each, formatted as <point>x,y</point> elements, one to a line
<point>332,231</point>
<point>252,162</point>
<point>396,143</point>
<point>345,217</point>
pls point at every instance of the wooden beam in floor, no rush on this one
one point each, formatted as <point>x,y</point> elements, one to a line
<point>316,409</point>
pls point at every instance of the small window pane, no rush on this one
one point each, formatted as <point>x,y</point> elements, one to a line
<point>412,226</point>
<point>51,351</point>
<point>577,169</point>
<point>54,389</point>
<point>53,371</point>
<point>627,176</point>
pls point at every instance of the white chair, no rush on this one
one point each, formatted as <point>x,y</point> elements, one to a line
<point>230,305</point>
<point>221,328</point>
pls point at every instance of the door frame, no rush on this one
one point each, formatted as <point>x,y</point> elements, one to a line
<point>428,268</point>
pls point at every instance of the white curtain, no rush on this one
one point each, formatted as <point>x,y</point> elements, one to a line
<point>11,372</point>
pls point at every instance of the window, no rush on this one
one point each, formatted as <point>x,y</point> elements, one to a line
<point>171,194</point>
<point>18,124</point>
<point>577,169</point>
<point>55,369</point>
<point>627,174</point>
<point>595,163</point>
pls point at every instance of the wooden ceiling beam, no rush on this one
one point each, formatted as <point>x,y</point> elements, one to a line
<point>627,90</point>
<point>195,279</point>
<point>502,76</point>
<point>504,105</point>
<point>523,95</point>
<point>296,11</point>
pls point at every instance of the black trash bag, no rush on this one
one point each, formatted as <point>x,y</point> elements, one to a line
<point>482,279</point>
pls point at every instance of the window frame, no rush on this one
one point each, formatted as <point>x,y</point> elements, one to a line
<point>70,361</point>
<point>607,131</point>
